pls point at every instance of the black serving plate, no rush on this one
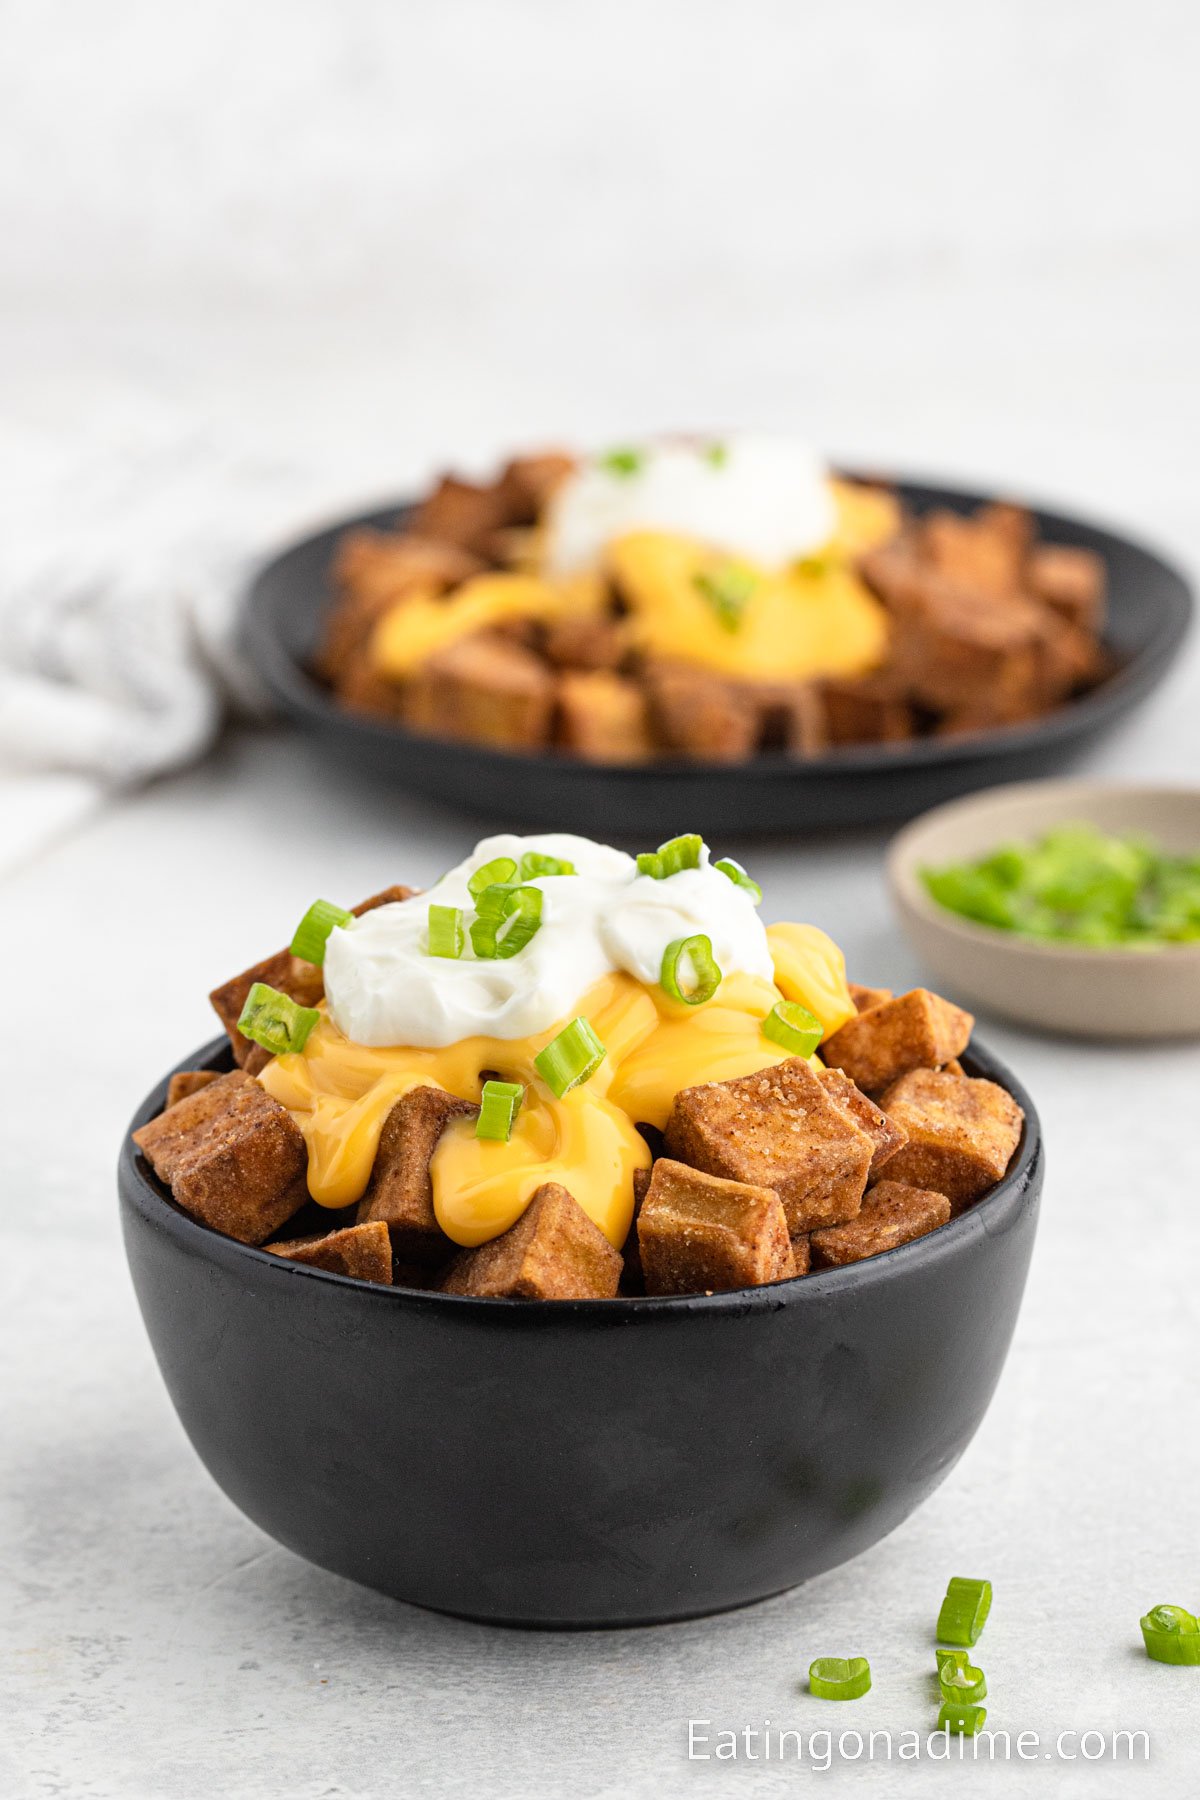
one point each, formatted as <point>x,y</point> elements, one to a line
<point>1150,607</point>
<point>581,1463</point>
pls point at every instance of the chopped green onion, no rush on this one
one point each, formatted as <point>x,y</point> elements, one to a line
<point>446,935</point>
<point>964,1610</point>
<point>959,1679</point>
<point>964,1721</point>
<point>312,933</point>
<point>1171,1635</point>
<point>491,874</point>
<point>573,1056</point>
<point>793,1027</point>
<point>739,878</point>
<point>839,1677</point>
<point>533,864</point>
<point>506,919</point>
<point>706,975</point>
<point>717,455</point>
<point>672,857</point>
<point>499,1104</point>
<point>276,1021</point>
<point>727,589</point>
<point>623,462</point>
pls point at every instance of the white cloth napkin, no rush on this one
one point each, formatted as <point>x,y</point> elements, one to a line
<point>124,552</point>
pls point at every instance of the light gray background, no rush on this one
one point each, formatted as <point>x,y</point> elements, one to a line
<point>357,239</point>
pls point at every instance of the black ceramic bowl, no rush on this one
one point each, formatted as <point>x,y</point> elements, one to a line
<point>1150,605</point>
<point>581,1463</point>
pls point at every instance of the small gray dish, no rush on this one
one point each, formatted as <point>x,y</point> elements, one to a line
<point>1085,992</point>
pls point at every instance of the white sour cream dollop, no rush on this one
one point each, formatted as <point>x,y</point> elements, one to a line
<point>383,987</point>
<point>766,498</point>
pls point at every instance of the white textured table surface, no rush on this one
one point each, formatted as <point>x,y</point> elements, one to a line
<point>362,239</point>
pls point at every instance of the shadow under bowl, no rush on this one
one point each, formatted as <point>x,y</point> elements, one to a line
<point>581,1463</point>
<point>1116,994</point>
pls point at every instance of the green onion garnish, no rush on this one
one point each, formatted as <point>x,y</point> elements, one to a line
<point>506,918</point>
<point>964,1611</point>
<point>499,1104</point>
<point>1171,1635</point>
<point>839,1677</point>
<point>312,933</point>
<point>446,935</point>
<point>706,974</point>
<point>275,1021</point>
<point>964,1721</point>
<point>795,1029</point>
<point>491,874</point>
<point>717,455</point>
<point>727,588</point>
<point>533,864</point>
<point>959,1679</point>
<point>622,463</point>
<point>739,878</point>
<point>670,858</point>
<point>573,1056</point>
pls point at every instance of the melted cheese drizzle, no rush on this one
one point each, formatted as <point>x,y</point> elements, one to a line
<point>803,619</point>
<point>340,1092</point>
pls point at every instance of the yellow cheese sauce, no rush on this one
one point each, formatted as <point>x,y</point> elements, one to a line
<point>812,618</point>
<point>340,1093</point>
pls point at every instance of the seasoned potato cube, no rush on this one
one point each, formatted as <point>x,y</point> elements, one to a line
<point>961,1133</point>
<point>361,1251</point>
<point>883,1132</point>
<point>701,715</point>
<point>553,1252</point>
<point>917,1030</point>
<point>603,717</point>
<point>400,1192</point>
<point>231,1156</point>
<point>189,1081</point>
<point>867,710</point>
<point>698,1233</point>
<point>866,997</point>
<point>1071,581</point>
<point>528,482</point>
<point>802,1252</point>
<point>892,1213</point>
<point>982,553</point>
<point>483,689</point>
<point>586,641</point>
<point>458,512</point>
<point>779,1129</point>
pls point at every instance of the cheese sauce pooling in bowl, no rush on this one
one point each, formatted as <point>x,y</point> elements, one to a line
<point>397,1018</point>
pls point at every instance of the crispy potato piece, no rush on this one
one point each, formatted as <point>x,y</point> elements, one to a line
<point>458,512</point>
<point>1071,581</point>
<point>892,1213</point>
<point>363,1252</point>
<point>231,1156</point>
<point>779,1129</point>
<point>483,689</point>
<point>603,717</point>
<point>400,1192</point>
<point>917,1030</point>
<point>632,1277</point>
<point>868,710</point>
<point>802,1251</point>
<point>188,1081</point>
<point>553,1252</point>
<point>528,482</point>
<point>886,1135</point>
<point>791,716</point>
<point>701,1234</point>
<point>699,714</point>
<point>955,652</point>
<point>962,1133</point>
<point>983,553</point>
<point>866,997</point>
<point>586,641</point>
<point>301,981</point>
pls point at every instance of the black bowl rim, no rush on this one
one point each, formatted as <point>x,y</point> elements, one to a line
<point>140,1189</point>
<point>299,693</point>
